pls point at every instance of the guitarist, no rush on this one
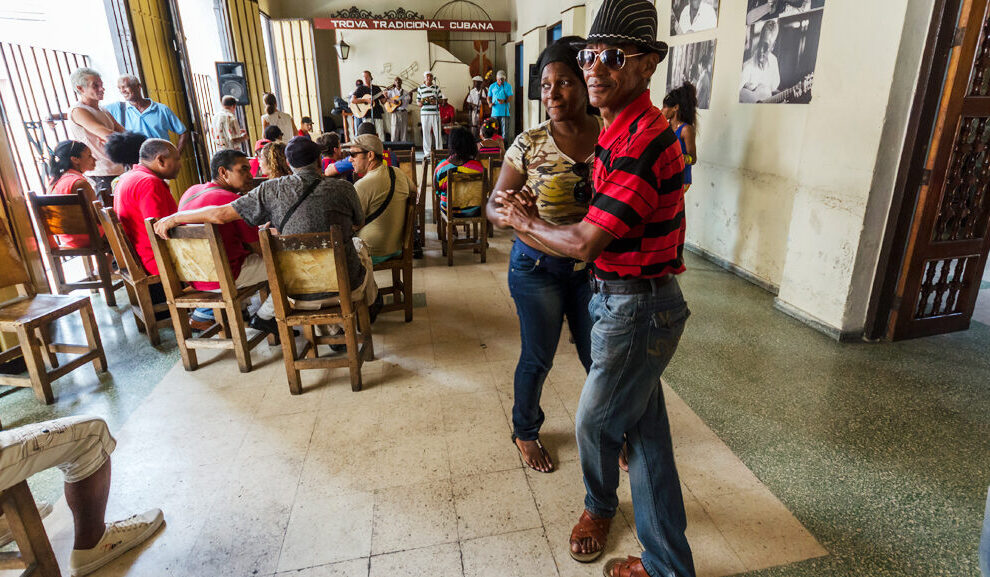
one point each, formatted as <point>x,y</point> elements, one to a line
<point>761,73</point>
<point>370,94</point>
<point>475,103</point>
<point>429,95</point>
<point>399,98</point>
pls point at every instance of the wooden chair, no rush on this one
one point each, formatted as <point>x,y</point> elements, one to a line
<point>195,253</point>
<point>493,169</point>
<point>402,269</point>
<point>32,316</point>
<point>309,264</point>
<point>406,160</point>
<point>136,280</point>
<point>464,190</point>
<point>71,214</point>
<point>486,158</point>
<point>34,553</point>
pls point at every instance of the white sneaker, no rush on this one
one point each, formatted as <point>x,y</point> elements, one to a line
<point>44,509</point>
<point>119,538</point>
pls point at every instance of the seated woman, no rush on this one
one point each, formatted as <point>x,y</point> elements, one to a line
<point>70,160</point>
<point>491,140</point>
<point>463,159</point>
<point>124,148</point>
<point>272,162</point>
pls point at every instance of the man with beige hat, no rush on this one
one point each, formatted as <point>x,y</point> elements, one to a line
<point>476,96</point>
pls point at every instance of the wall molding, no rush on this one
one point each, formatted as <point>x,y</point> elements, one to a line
<point>817,324</point>
<point>733,268</point>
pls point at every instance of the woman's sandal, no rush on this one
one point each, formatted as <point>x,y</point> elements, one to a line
<point>543,450</point>
<point>628,567</point>
<point>589,527</point>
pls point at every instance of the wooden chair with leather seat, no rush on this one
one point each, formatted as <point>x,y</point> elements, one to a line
<point>402,269</point>
<point>34,553</point>
<point>463,191</point>
<point>315,263</point>
<point>56,214</point>
<point>32,316</point>
<point>136,280</point>
<point>195,253</point>
<point>406,161</point>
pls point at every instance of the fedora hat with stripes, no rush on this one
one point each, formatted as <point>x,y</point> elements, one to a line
<point>628,21</point>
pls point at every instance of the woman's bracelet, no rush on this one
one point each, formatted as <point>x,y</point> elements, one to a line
<point>688,159</point>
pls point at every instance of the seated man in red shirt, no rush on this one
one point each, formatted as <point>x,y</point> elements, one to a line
<point>141,193</point>
<point>447,115</point>
<point>231,174</point>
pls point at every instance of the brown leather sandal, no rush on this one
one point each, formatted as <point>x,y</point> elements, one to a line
<point>628,567</point>
<point>593,528</point>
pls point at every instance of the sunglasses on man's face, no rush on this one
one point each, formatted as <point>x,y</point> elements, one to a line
<point>614,58</point>
<point>582,188</point>
<point>355,153</point>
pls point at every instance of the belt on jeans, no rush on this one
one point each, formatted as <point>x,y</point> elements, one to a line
<point>541,257</point>
<point>633,286</point>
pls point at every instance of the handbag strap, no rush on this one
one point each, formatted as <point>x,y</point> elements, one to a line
<point>388,199</point>
<point>292,209</point>
<point>199,194</point>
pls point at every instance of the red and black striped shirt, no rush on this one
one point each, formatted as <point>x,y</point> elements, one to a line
<point>639,195</point>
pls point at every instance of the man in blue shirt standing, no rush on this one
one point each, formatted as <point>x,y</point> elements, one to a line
<point>500,96</point>
<point>143,115</point>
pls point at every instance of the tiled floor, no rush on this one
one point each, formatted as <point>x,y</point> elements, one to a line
<point>413,475</point>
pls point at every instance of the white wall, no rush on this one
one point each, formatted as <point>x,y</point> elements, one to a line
<point>781,191</point>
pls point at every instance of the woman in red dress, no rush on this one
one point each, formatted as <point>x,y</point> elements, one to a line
<point>70,160</point>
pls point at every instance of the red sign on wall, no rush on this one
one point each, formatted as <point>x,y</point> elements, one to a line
<point>451,25</point>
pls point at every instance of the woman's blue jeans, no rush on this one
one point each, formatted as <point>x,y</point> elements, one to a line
<point>545,289</point>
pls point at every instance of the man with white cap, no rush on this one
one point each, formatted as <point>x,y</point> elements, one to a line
<point>476,96</point>
<point>500,96</point>
<point>429,95</point>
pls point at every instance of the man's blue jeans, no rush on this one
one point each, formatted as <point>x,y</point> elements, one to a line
<point>503,122</point>
<point>632,340</point>
<point>545,291</point>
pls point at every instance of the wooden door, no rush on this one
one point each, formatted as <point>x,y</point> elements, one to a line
<point>295,63</point>
<point>948,246</point>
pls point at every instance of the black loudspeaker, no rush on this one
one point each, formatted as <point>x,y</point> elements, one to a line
<point>535,76</point>
<point>230,77</point>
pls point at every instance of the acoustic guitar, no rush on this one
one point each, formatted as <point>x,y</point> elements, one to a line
<point>392,104</point>
<point>763,94</point>
<point>360,109</point>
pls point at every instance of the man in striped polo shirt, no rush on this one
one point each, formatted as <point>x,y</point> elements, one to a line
<point>634,235</point>
<point>428,95</point>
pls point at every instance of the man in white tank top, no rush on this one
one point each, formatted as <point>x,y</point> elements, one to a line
<point>91,125</point>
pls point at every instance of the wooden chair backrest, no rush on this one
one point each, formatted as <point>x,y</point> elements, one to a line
<point>123,250</point>
<point>487,158</point>
<point>192,253</point>
<point>12,269</point>
<point>302,264</point>
<point>437,155</point>
<point>409,233</point>
<point>63,214</point>
<point>466,190</point>
<point>493,173</point>
<point>406,160</point>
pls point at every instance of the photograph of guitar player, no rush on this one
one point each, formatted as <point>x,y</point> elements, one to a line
<point>366,104</point>
<point>780,58</point>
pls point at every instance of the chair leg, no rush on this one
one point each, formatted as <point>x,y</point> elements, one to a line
<point>233,315</point>
<point>364,325</point>
<point>309,333</point>
<point>92,331</point>
<point>180,322</point>
<point>28,531</point>
<point>45,336</point>
<point>106,277</point>
<point>407,289</point>
<point>224,322</point>
<point>87,263</point>
<point>31,350</point>
<point>131,296</point>
<point>451,242</point>
<point>353,353</point>
<point>59,272</point>
<point>145,314</point>
<point>483,239</point>
<point>289,356</point>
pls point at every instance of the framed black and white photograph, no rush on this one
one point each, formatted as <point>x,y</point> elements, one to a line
<point>693,63</point>
<point>759,10</point>
<point>688,16</point>
<point>779,59</point>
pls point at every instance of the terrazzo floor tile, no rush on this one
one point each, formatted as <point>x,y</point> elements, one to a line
<point>433,561</point>
<point>352,568</point>
<point>516,554</point>
<point>481,451</point>
<point>413,516</point>
<point>494,503</point>
<point>344,523</point>
<point>621,542</point>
